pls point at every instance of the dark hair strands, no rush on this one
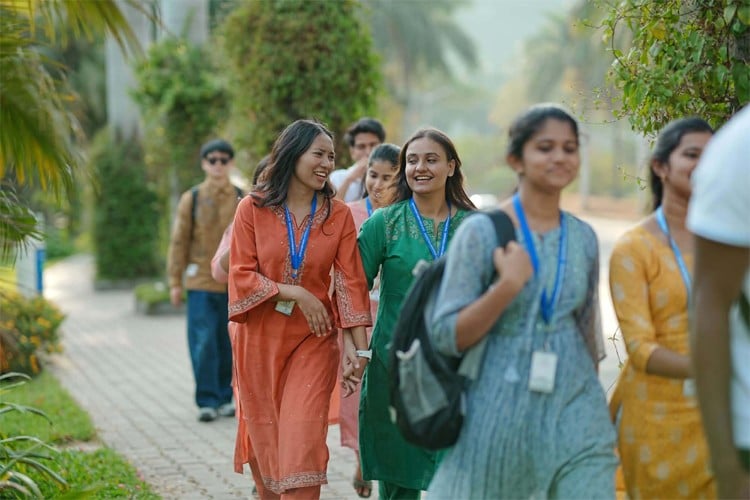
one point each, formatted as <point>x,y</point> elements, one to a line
<point>364,125</point>
<point>526,125</point>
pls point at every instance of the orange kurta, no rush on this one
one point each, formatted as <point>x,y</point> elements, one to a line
<point>285,374</point>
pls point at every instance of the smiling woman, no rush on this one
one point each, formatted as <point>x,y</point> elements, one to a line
<point>651,285</point>
<point>285,349</point>
<point>533,304</point>
<point>431,205</point>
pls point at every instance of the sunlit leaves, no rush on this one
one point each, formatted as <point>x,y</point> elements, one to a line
<point>685,58</point>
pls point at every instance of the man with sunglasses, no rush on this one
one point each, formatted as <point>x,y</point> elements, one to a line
<point>202,214</point>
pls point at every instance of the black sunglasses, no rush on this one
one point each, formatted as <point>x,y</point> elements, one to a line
<point>224,160</point>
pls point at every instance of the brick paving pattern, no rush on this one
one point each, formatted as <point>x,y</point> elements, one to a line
<point>132,374</point>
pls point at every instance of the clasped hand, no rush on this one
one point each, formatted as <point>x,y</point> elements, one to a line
<point>352,367</point>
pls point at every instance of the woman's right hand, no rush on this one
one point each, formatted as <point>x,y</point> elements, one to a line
<point>314,311</point>
<point>513,265</point>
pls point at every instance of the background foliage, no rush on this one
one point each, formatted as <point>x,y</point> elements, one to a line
<point>42,146</point>
<point>288,59</point>
<point>126,223</point>
<point>182,103</point>
<point>28,327</point>
<point>680,58</point>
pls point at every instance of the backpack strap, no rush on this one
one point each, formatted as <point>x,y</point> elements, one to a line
<point>193,209</point>
<point>504,228</point>
<point>472,358</point>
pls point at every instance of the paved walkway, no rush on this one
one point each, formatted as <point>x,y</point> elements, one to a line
<point>132,374</point>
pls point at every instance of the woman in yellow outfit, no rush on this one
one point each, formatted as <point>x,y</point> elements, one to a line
<point>660,438</point>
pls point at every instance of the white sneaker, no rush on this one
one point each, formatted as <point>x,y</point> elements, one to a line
<point>226,410</point>
<point>207,414</point>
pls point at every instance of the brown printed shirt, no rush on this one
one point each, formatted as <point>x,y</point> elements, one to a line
<point>215,207</point>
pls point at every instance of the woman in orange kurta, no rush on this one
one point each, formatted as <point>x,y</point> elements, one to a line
<point>287,236</point>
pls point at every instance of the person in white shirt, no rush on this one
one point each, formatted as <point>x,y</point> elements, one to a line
<point>719,217</point>
<point>362,137</point>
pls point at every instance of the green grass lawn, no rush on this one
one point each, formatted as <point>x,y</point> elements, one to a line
<point>102,473</point>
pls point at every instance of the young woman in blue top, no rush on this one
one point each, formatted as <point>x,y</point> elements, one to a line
<point>537,423</point>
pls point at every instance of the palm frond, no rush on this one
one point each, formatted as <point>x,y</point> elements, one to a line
<point>18,223</point>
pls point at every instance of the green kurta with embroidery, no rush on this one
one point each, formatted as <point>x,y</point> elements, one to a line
<point>390,241</point>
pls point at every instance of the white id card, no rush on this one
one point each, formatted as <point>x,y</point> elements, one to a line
<point>543,368</point>
<point>191,270</point>
<point>285,307</point>
<point>688,388</point>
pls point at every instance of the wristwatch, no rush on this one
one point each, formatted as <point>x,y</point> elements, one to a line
<point>364,354</point>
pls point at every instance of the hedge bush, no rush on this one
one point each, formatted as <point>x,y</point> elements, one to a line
<point>126,220</point>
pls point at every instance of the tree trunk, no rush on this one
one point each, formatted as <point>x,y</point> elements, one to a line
<point>122,112</point>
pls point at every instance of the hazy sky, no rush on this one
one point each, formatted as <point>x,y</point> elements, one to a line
<point>500,26</point>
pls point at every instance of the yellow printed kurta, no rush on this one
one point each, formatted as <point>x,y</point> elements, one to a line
<point>661,441</point>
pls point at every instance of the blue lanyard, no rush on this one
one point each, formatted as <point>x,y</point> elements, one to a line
<point>423,230</point>
<point>548,302</point>
<point>662,221</point>
<point>369,206</point>
<point>298,254</point>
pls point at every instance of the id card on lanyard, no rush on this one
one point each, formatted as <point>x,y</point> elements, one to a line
<point>543,363</point>
<point>296,254</point>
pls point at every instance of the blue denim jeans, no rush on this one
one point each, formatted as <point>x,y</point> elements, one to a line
<point>210,349</point>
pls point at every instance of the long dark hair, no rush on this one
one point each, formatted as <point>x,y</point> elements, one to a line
<point>287,150</point>
<point>454,186</point>
<point>259,169</point>
<point>531,121</point>
<point>667,141</point>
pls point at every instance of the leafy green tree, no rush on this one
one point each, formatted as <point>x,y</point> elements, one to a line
<point>39,134</point>
<point>182,103</point>
<point>682,57</point>
<point>291,59</point>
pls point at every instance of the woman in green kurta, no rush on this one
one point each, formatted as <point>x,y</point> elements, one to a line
<point>395,240</point>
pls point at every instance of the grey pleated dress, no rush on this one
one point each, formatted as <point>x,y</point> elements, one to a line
<point>516,443</point>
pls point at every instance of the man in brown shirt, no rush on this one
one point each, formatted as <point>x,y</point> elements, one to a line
<point>202,214</point>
